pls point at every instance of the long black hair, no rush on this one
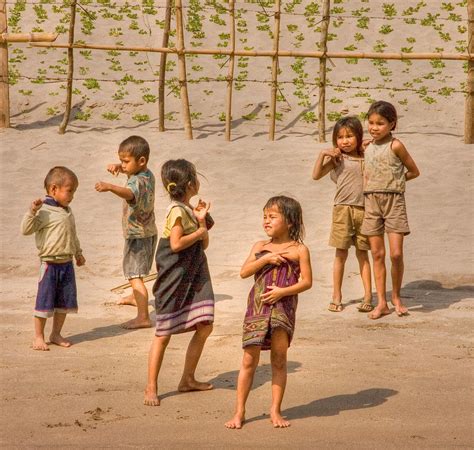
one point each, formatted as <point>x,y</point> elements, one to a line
<point>384,109</point>
<point>352,123</point>
<point>292,212</point>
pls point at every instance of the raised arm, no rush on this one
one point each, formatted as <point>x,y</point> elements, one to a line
<point>120,191</point>
<point>31,221</point>
<point>412,170</point>
<point>180,241</point>
<point>325,162</point>
<point>304,283</point>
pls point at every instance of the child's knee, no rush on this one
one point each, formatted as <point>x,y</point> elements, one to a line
<point>249,361</point>
<point>278,362</point>
<point>204,330</point>
<point>396,257</point>
<point>378,254</point>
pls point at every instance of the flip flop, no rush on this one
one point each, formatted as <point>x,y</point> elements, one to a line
<point>365,307</point>
<point>335,307</point>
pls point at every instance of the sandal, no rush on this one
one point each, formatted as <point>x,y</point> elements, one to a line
<point>335,307</point>
<point>365,307</point>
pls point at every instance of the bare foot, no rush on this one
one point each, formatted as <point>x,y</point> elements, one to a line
<point>236,422</point>
<point>57,339</point>
<point>278,421</point>
<point>400,308</point>
<point>377,313</point>
<point>193,385</point>
<point>40,344</point>
<point>129,300</point>
<point>151,398</point>
<point>136,323</point>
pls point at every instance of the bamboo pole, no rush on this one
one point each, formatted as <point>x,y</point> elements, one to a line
<point>28,37</point>
<point>161,82</point>
<point>265,53</point>
<point>322,72</point>
<point>469,107</point>
<point>70,70</point>
<point>4,94</point>
<point>182,70</point>
<point>276,46</point>
<point>230,73</point>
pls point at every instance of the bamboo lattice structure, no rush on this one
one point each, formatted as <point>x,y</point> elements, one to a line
<point>230,74</point>
<point>181,51</point>
<point>70,70</point>
<point>323,44</point>
<point>276,46</point>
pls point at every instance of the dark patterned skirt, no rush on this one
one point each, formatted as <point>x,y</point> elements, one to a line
<point>183,289</point>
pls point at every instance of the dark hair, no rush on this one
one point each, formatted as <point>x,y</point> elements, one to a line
<point>177,175</point>
<point>384,109</point>
<point>136,146</point>
<point>292,212</point>
<point>353,124</point>
<point>59,175</point>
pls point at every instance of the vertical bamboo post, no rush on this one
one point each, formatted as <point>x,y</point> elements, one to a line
<point>230,74</point>
<point>276,45</point>
<point>182,70</point>
<point>161,83</point>
<point>4,94</point>
<point>70,70</point>
<point>469,107</point>
<point>322,72</point>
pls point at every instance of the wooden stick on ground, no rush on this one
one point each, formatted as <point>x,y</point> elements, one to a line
<point>161,81</point>
<point>469,106</point>
<point>276,45</point>
<point>322,73</point>
<point>230,74</point>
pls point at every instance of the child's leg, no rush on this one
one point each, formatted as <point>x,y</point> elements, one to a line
<point>155,359</point>
<point>188,381</point>
<point>337,275</point>
<point>39,343</point>
<point>377,248</point>
<point>140,294</point>
<point>396,255</point>
<point>364,267</point>
<point>55,336</point>
<point>244,384</point>
<point>279,374</point>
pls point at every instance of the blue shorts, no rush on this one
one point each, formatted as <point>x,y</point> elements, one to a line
<point>56,289</point>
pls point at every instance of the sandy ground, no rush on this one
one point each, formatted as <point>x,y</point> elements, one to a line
<point>353,383</point>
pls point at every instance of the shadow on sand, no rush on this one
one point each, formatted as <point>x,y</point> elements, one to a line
<point>429,295</point>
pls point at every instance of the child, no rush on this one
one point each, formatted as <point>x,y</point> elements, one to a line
<point>138,220</point>
<point>282,269</point>
<point>386,159</point>
<point>52,222</point>
<point>345,162</point>
<point>184,299</point>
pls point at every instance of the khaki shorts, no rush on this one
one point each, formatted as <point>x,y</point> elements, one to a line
<point>385,212</point>
<point>346,228</point>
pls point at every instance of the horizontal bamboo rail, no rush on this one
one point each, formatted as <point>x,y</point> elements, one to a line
<point>28,37</point>
<point>271,53</point>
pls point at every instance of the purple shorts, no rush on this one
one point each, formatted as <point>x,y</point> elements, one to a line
<point>56,289</point>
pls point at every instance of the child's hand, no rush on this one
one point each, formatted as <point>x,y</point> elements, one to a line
<point>273,295</point>
<point>275,258</point>
<point>114,169</point>
<point>80,260</point>
<point>201,210</point>
<point>102,187</point>
<point>36,205</point>
<point>334,153</point>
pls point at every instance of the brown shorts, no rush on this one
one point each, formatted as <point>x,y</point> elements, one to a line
<point>385,212</point>
<point>346,225</point>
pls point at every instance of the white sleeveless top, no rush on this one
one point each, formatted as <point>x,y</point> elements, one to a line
<point>384,171</point>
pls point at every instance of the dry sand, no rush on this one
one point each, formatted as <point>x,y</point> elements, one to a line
<point>353,383</point>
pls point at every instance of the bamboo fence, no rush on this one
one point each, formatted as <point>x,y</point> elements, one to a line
<point>181,51</point>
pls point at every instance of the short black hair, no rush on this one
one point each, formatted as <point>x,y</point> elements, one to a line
<point>135,146</point>
<point>59,175</point>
